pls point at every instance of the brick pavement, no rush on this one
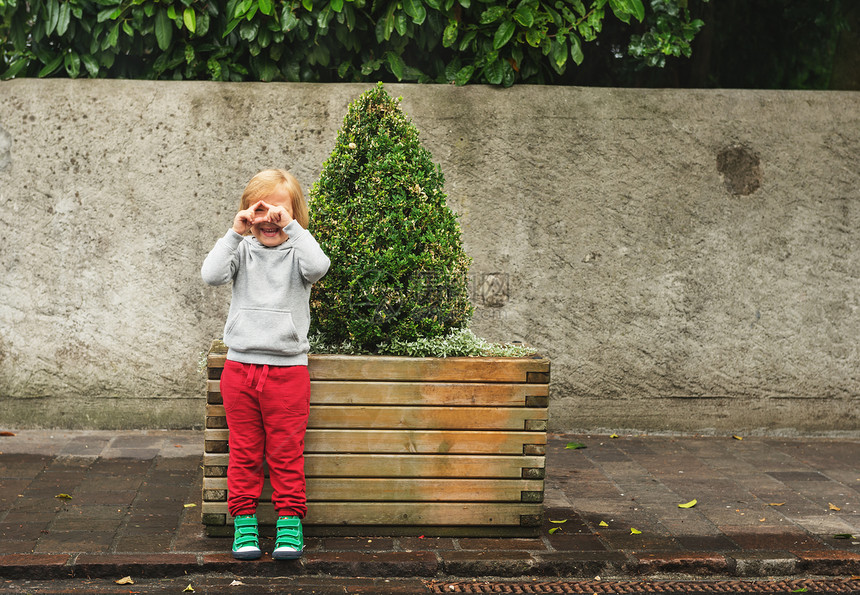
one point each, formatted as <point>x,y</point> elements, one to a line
<point>764,509</point>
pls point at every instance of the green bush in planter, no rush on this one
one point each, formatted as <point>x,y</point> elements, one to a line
<point>398,272</point>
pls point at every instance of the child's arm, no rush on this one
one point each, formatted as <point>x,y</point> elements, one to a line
<point>219,268</point>
<point>313,262</point>
<point>221,263</point>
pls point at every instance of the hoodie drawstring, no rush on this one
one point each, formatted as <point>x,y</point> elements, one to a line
<point>252,371</point>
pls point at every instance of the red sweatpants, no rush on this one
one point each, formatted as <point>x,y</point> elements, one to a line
<point>267,414</point>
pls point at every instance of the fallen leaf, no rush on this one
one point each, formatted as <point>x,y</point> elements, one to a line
<point>63,496</point>
<point>190,505</point>
<point>737,437</point>
<point>188,589</point>
<point>554,529</point>
<point>574,445</point>
<point>762,520</point>
<point>614,436</point>
<point>7,433</point>
<point>842,536</point>
<point>776,503</point>
<point>800,590</point>
<point>559,522</point>
<point>604,524</point>
<point>125,581</point>
<point>833,506</point>
<point>689,504</point>
<point>634,531</point>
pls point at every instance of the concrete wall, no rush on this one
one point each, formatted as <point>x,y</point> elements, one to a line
<point>688,259</point>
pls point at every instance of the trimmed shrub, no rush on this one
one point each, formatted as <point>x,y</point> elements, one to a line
<point>398,272</point>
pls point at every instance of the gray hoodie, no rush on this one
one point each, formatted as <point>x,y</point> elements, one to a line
<point>269,313</point>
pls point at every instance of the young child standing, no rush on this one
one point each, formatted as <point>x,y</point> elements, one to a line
<point>272,260</point>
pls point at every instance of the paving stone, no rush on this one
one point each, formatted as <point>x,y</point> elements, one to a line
<point>10,490</point>
<point>120,467</point>
<point>706,543</point>
<point>576,542</point>
<point>793,477</point>
<point>426,543</point>
<point>191,537</point>
<point>142,543</point>
<point>137,440</point>
<point>69,464</point>
<point>15,546</point>
<point>265,566</point>
<point>645,541</point>
<point>139,565</point>
<point>42,516</point>
<point>496,563</point>
<point>371,563</point>
<point>106,498</point>
<point>357,543</point>
<point>820,562</point>
<point>189,464</point>
<point>22,531</point>
<point>773,541</point>
<point>95,512</point>
<point>580,564</point>
<point>500,544</point>
<point>143,454</point>
<point>761,563</point>
<point>74,541</point>
<point>37,566</point>
<point>83,523</point>
<point>22,466</point>
<point>695,563</point>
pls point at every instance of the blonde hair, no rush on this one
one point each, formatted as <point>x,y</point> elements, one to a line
<point>266,182</point>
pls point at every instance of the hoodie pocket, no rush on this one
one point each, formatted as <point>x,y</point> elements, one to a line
<point>270,331</point>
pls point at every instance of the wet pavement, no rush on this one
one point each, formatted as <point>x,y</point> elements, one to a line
<point>97,505</point>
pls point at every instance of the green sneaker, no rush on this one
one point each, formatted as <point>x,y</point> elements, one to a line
<point>289,542</point>
<point>246,541</point>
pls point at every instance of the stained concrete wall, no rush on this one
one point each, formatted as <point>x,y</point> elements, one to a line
<point>688,259</point>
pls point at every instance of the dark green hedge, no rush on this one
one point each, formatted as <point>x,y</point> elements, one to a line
<point>462,41</point>
<point>398,269</point>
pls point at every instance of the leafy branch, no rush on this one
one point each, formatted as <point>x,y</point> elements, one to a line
<point>500,42</point>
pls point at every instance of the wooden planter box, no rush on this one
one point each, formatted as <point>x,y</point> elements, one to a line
<point>407,446</point>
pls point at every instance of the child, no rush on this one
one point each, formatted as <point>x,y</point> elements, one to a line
<point>265,382</point>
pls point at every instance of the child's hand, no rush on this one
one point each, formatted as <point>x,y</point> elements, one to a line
<point>266,213</point>
<point>243,220</point>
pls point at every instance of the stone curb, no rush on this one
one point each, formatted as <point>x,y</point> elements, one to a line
<point>436,564</point>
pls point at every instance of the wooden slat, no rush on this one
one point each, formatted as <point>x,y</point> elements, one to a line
<point>424,418</point>
<point>394,489</point>
<point>331,392</point>
<point>425,369</point>
<point>397,513</point>
<point>416,418</point>
<point>408,441</point>
<point>423,466</point>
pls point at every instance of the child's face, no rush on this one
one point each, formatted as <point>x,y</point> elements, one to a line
<point>267,233</point>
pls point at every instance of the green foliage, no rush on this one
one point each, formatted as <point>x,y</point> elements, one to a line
<point>498,42</point>
<point>398,270</point>
<point>671,34</point>
<point>458,343</point>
